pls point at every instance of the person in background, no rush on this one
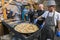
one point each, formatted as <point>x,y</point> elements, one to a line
<point>40,11</point>
<point>9,14</point>
<point>19,6</point>
<point>52,19</point>
<point>14,11</point>
<point>31,13</point>
<point>16,14</point>
<point>17,10</point>
<point>34,14</point>
<point>25,14</point>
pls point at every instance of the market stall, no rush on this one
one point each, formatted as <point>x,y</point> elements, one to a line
<point>21,35</point>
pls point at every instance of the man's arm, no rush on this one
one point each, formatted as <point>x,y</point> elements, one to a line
<point>58,25</point>
<point>43,15</point>
<point>39,17</point>
<point>58,22</point>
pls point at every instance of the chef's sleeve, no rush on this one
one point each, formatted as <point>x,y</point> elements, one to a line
<point>44,14</point>
<point>58,17</point>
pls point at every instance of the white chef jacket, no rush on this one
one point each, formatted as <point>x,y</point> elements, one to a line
<point>56,16</point>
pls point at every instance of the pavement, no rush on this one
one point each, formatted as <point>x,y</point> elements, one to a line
<point>8,37</point>
<point>57,38</point>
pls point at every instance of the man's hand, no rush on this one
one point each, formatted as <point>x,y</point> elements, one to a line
<point>41,26</point>
<point>35,21</point>
<point>58,34</point>
<point>58,31</point>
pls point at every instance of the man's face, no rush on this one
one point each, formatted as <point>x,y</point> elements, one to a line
<point>41,7</point>
<point>51,8</point>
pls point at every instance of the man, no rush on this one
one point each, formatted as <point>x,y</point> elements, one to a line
<point>18,5</point>
<point>25,14</point>
<point>19,8</point>
<point>39,12</point>
<point>9,14</point>
<point>31,13</point>
<point>52,17</point>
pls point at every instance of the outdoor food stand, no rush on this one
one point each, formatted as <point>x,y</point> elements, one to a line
<point>24,35</point>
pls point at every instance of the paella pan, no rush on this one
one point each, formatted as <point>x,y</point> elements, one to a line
<point>26,28</point>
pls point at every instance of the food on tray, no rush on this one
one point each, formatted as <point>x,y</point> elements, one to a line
<point>11,23</point>
<point>26,28</point>
<point>9,20</point>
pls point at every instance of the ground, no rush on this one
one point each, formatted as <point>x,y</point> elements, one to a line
<point>57,38</point>
<point>8,37</point>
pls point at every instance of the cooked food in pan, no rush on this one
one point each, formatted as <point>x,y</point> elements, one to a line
<point>26,28</point>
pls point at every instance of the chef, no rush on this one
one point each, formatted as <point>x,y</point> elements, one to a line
<point>52,18</point>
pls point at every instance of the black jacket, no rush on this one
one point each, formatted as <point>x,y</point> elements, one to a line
<point>40,12</point>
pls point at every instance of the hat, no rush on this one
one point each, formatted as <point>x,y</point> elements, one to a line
<point>51,2</point>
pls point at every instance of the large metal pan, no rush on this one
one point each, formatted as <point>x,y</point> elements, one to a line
<point>26,23</point>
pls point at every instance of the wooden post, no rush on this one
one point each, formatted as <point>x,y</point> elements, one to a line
<point>4,10</point>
